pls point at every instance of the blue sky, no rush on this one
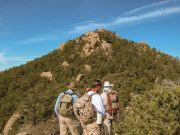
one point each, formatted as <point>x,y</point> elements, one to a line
<point>32,28</point>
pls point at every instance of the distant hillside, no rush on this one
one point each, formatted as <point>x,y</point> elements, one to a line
<point>132,68</point>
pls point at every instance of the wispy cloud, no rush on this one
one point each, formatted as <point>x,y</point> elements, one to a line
<point>35,40</point>
<point>5,59</point>
<point>122,20</point>
<point>160,3</point>
<point>149,15</point>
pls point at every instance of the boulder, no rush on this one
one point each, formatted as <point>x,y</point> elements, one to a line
<point>91,39</point>
<point>94,35</point>
<point>86,52</point>
<point>92,50</point>
<point>87,46</point>
<point>93,42</point>
<point>47,75</point>
<point>91,34</point>
<point>106,46</point>
<point>88,68</point>
<point>61,47</point>
<point>65,64</point>
<point>79,77</point>
<point>128,109</point>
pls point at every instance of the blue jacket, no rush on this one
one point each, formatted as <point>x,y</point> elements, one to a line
<point>75,97</point>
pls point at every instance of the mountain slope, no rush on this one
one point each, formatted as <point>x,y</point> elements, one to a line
<point>132,68</point>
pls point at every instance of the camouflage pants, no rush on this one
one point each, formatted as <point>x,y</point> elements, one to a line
<point>67,124</point>
<point>107,125</point>
<point>91,129</point>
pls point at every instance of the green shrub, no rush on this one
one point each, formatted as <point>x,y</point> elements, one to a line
<point>156,112</point>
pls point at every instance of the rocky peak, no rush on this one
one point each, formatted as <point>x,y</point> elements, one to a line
<point>93,43</point>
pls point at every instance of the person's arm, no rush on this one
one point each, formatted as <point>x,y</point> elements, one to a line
<point>99,118</point>
<point>57,104</point>
<point>104,98</point>
<point>75,98</point>
<point>98,104</point>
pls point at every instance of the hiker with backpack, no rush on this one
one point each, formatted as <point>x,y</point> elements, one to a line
<point>64,111</point>
<point>111,105</point>
<point>90,111</point>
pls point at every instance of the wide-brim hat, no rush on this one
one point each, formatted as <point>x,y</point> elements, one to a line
<point>72,85</point>
<point>108,84</point>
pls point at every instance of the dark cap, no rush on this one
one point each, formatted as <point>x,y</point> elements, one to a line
<point>96,82</point>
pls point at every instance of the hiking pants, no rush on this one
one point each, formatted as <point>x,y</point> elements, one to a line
<point>107,125</point>
<point>91,129</point>
<point>67,124</point>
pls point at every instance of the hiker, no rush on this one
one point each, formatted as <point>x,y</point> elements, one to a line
<point>64,111</point>
<point>89,110</point>
<point>111,105</point>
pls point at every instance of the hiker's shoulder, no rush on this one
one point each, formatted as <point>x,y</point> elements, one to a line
<point>104,94</point>
<point>94,95</point>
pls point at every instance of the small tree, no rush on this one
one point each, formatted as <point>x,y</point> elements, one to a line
<point>33,105</point>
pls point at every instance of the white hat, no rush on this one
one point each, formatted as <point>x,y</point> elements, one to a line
<point>107,84</point>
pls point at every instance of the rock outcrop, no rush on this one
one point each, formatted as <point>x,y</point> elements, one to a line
<point>79,77</point>
<point>107,47</point>
<point>65,64</point>
<point>93,44</point>
<point>88,68</point>
<point>61,47</point>
<point>91,39</point>
<point>47,75</point>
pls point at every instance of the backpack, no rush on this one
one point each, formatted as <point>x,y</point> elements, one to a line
<point>84,110</point>
<point>113,103</point>
<point>65,108</point>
